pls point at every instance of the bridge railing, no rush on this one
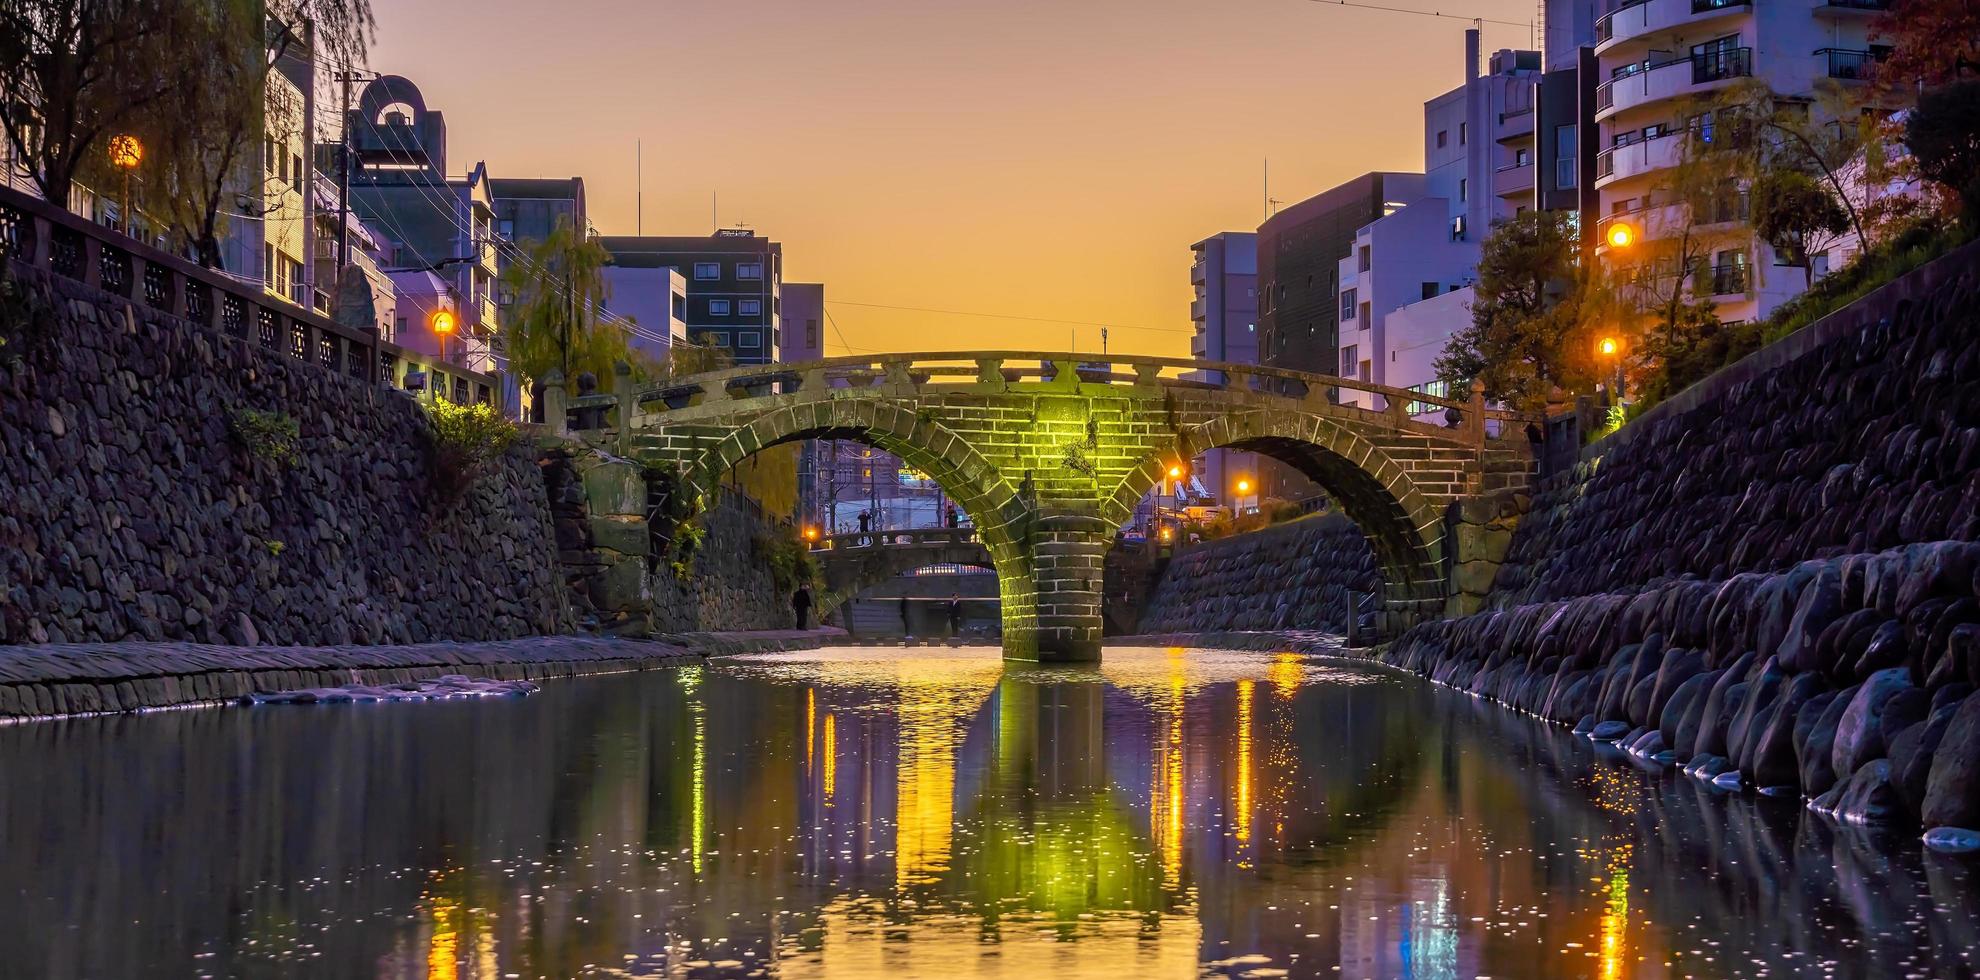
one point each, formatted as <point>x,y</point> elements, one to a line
<point>980,370</point>
<point>926,536</point>
<point>40,236</point>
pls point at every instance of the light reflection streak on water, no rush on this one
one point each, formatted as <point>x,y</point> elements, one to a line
<point>1615,915</point>
<point>830,781</point>
<point>1241,806</point>
<point>925,782</point>
<point>1166,796</point>
<point>698,714</point>
<point>443,948</point>
<point>810,725</point>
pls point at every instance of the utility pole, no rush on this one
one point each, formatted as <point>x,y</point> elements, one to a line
<point>344,174</point>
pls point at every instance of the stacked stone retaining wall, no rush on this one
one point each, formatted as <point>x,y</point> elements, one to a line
<point>131,510</point>
<point>1778,586</point>
<point>1292,575</point>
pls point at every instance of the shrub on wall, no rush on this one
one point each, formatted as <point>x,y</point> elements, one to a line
<point>466,439</point>
<point>790,560</point>
<point>274,436</point>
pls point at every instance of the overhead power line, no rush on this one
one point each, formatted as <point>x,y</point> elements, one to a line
<point>1009,316</point>
<point>1419,13</point>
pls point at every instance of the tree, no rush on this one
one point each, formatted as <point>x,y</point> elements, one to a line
<point>559,285</point>
<point>1529,333</point>
<point>190,80</point>
<point>1797,216</point>
<point>1944,135</point>
<point>1932,42</point>
<point>72,72</point>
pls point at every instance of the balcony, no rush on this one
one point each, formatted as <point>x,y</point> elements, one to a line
<point>1636,85</point>
<point>1618,163</point>
<point>1725,280</point>
<point>1198,309</point>
<point>1513,179</point>
<point>1635,22</point>
<point>1853,8</point>
<point>1849,65</point>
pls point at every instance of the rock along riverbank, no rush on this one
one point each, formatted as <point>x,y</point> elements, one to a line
<point>68,679</point>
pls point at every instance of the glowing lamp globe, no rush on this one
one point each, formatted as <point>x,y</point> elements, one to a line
<point>443,322</point>
<point>1621,235</point>
<point>126,152</point>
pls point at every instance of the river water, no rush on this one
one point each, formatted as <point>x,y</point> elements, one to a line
<point>866,813</point>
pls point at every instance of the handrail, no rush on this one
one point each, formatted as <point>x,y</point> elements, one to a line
<point>905,537</point>
<point>37,235</point>
<point>993,367</point>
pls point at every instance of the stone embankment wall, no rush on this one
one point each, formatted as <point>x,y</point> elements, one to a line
<point>129,509</point>
<point>1292,575</point>
<point>615,580</point>
<point>1774,582</point>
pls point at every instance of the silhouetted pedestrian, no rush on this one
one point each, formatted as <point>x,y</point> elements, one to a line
<point>801,603</point>
<point>955,519</point>
<point>906,630</point>
<point>955,614</point>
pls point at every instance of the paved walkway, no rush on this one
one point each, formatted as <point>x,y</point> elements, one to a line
<point>93,678</point>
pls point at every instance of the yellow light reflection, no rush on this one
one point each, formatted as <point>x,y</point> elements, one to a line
<point>1285,674</point>
<point>831,751</point>
<point>1615,917</point>
<point>810,725</point>
<point>925,783</point>
<point>1166,796</point>
<point>1241,807</point>
<point>698,713</point>
<point>443,949</point>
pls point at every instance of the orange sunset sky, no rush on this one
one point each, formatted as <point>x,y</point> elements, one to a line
<point>1042,159</point>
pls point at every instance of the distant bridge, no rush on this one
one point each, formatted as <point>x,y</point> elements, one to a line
<point>1050,453</point>
<point>858,561</point>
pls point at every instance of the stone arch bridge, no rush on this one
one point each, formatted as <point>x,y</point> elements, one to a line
<point>1050,453</point>
<point>857,561</point>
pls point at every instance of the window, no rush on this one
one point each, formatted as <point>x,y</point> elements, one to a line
<point>750,307</point>
<point>680,307</point>
<point>718,307</point>
<point>1464,132</point>
<point>1362,259</point>
<point>1564,156</point>
<point>749,339</point>
<point>708,270</point>
<point>507,229</point>
<point>1429,290</point>
<point>1522,157</point>
<point>749,270</point>
<point>268,261</point>
<point>296,170</point>
<point>719,338</point>
<point>1443,137</point>
<point>1457,228</point>
<point>1464,189</point>
<point>1347,304</point>
<point>1350,356</point>
<point>811,333</point>
<point>1653,131</point>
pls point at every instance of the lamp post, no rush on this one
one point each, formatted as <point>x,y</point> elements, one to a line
<point>125,154</point>
<point>1611,350</point>
<point>443,324</point>
<point>1243,492</point>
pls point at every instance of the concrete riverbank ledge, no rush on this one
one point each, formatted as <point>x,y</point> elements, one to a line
<point>58,679</point>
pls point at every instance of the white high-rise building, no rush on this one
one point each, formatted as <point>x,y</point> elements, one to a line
<point>1657,61</point>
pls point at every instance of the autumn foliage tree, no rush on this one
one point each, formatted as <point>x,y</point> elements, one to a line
<point>1529,336</point>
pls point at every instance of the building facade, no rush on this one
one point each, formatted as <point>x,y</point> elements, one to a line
<point>734,286</point>
<point>1223,275</point>
<point>1299,254</point>
<point>435,228</point>
<point>1658,64</point>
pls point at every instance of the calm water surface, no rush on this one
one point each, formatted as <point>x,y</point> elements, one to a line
<point>862,813</point>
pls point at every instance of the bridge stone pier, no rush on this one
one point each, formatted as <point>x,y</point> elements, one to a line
<point>1050,453</point>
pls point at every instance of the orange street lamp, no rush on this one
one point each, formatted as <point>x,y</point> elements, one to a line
<point>1243,486</point>
<point>1175,472</point>
<point>1168,534</point>
<point>1621,235</point>
<point>811,533</point>
<point>125,154</point>
<point>1611,348</point>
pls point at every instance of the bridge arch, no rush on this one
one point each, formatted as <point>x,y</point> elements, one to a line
<point>1404,528</point>
<point>999,514</point>
<point>854,563</point>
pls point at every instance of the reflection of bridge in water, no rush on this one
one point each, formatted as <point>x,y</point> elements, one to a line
<point>1049,454</point>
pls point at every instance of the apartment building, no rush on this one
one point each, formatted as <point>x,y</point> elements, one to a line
<point>1405,286</point>
<point>1658,61</point>
<point>1223,276</point>
<point>734,286</point>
